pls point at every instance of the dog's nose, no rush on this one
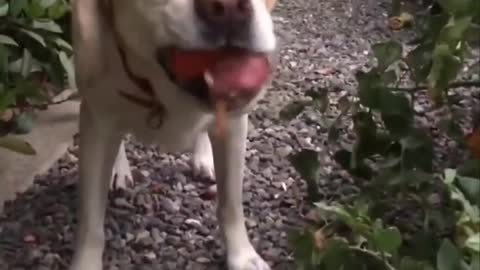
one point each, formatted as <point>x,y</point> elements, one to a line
<point>224,14</point>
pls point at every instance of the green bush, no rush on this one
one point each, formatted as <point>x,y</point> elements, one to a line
<point>394,156</point>
<point>35,63</point>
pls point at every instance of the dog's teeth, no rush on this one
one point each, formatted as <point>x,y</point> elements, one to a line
<point>208,78</point>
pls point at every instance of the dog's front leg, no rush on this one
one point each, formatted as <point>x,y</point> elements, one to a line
<point>229,159</point>
<point>98,148</point>
<point>122,173</point>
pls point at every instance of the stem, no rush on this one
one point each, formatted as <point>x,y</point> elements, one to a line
<point>452,85</point>
<point>26,63</point>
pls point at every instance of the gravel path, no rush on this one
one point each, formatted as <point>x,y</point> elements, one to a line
<point>166,221</point>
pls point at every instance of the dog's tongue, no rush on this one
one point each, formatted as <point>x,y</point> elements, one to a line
<point>230,72</point>
<point>237,74</point>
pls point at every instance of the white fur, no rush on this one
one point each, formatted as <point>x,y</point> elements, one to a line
<point>105,116</point>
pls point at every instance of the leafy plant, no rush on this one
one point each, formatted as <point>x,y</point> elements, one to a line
<point>393,156</point>
<point>35,63</point>
<point>369,244</point>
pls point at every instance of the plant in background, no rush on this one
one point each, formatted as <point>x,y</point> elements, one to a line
<point>395,155</point>
<point>35,63</point>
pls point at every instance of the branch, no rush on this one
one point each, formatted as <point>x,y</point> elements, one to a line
<point>452,85</point>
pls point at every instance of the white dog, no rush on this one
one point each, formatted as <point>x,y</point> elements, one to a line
<point>121,51</point>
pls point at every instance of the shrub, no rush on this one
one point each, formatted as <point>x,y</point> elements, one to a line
<point>35,59</point>
<point>394,156</point>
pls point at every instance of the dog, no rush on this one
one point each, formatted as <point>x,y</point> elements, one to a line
<point>120,47</point>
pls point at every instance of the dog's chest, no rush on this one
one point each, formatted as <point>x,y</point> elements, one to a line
<point>173,124</point>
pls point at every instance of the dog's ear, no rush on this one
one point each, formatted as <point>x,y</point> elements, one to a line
<point>270,4</point>
<point>90,38</point>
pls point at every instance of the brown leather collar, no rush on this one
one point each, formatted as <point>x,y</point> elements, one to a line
<point>142,83</point>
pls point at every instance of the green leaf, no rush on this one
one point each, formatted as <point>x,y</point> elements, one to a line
<point>47,3</point>
<point>420,61</point>
<point>3,8</point>
<point>17,6</point>
<point>365,259</point>
<point>58,10</point>
<point>397,114</point>
<point>336,254</point>
<point>471,35</point>
<point>4,55</point>
<point>455,6</point>
<point>7,98</point>
<point>17,145</point>
<point>47,25</point>
<point>344,158</point>
<point>423,246</point>
<point>450,175</point>
<point>388,240</point>
<point>34,36</point>
<point>395,104</point>
<point>397,124</point>
<point>445,68</point>
<point>455,30</point>
<point>370,88</point>
<point>364,125</point>
<point>408,263</point>
<point>470,168</point>
<point>389,77</point>
<point>471,187</point>
<point>306,163</point>
<point>68,66</point>
<point>387,53</point>
<point>448,256</point>
<point>7,40</point>
<point>63,44</point>
<point>393,180</point>
<point>292,110</point>
<point>473,243</point>
<point>320,99</point>
<point>475,262</point>
<point>305,251</point>
<point>35,10</point>
<point>417,150</point>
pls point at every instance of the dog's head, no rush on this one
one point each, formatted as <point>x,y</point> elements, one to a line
<point>146,26</point>
<point>149,26</point>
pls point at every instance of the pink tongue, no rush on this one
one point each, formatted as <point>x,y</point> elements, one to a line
<point>239,73</point>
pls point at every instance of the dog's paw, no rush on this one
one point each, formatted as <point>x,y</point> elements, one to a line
<point>90,259</point>
<point>202,165</point>
<point>247,260</point>
<point>86,265</point>
<point>121,175</point>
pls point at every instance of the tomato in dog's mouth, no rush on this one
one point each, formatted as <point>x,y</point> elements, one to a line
<point>229,73</point>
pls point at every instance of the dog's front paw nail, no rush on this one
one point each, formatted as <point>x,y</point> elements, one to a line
<point>121,176</point>
<point>247,261</point>
<point>203,166</point>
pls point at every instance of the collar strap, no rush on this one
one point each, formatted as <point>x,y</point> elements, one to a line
<point>142,83</point>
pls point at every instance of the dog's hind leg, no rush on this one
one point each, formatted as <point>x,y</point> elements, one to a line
<point>229,157</point>
<point>122,174</point>
<point>98,148</point>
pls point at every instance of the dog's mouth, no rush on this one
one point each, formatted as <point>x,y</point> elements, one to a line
<point>230,74</point>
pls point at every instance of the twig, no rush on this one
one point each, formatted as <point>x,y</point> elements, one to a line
<point>452,85</point>
<point>44,106</point>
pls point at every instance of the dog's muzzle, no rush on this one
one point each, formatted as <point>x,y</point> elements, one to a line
<point>224,19</point>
